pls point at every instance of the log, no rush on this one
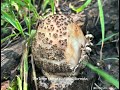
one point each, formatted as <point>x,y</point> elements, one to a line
<point>10,58</point>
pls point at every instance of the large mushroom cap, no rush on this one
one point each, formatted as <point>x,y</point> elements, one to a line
<point>56,47</point>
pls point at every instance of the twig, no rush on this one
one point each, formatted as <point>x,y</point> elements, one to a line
<point>34,73</point>
<point>98,87</point>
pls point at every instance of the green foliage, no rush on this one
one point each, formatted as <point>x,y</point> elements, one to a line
<point>44,5</point>
<point>52,4</point>
<point>13,85</point>
<point>13,21</point>
<point>23,8</point>
<point>19,82</point>
<point>108,38</point>
<point>105,75</point>
<point>49,2</point>
<point>25,61</point>
<point>10,16</point>
<point>82,7</point>
<point>101,14</point>
<point>24,5</point>
<point>6,38</point>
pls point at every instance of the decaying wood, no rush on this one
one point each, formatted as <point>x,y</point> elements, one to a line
<point>10,58</point>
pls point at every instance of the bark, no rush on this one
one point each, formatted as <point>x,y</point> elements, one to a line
<point>10,58</point>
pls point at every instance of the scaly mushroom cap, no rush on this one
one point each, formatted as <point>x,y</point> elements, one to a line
<point>57,45</point>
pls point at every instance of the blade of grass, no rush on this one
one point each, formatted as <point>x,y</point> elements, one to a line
<point>7,17</point>
<point>4,6</point>
<point>6,38</point>
<point>19,27</point>
<point>34,73</point>
<point>13,3</point>
<point>26,21</point>
<point>45,3</point>
<point>21,66</point>
<point>101,14</point>
<point>33,32</point>
<point>112,58</point>
<point>107,38</point>
<point>10,88</point>
<point>32,7</point>
<point>13,84</point>
<point>80,8</point>
<point>13,22</point>
<point>10,7</point>
<point>105,75</point>
<point>33,2</point>
<point>34,11</point>
<point>52,4</point>
<point>19,83</point>
<point>25,60</point>
<point>19,2</point>
<point>29,24</point>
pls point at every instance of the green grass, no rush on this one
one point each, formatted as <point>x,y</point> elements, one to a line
<point>11,17</point>
<point>106,76</point>
<point>101,14</point>
<point>49,2</point>
<point>80,8</point>
<point>13,21</point>
<point>6,38</point>
<point>25,67</point>
<point>19,82</point>
<point>108,38</point>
